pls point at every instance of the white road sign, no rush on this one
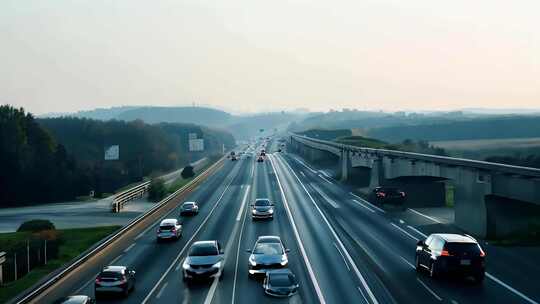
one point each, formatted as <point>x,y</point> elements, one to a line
<point>112,152</point>
<point>196,145</point>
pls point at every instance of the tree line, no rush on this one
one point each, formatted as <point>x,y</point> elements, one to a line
<point>58,159</point>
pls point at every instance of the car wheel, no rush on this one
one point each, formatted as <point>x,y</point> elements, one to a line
<point>433,270</point>
<point>417,264</point>
<point>479,278</point>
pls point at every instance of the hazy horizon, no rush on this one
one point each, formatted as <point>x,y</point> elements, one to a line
<point>246,56</point>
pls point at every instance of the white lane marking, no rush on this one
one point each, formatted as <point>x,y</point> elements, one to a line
<point>405,232</point>
<point>454,302</point>
<point>363,200</point>
<point>302,174</point>
<point>359,203</point>
<point>417,231</point>
<point>144,231</point>
<point>86,284</point>
<point>401,221</point>
<point>426,216</point>
<point>324,179</point>
<point>342,256</point>
<point>324,173</point>
<point>328,199</point>
<point>362,293</point>
<point>298,239</point>
<point>212,291</point>
<point>349,258</point>
<point>516,292</point>
<point>161,290</point>
<point>304,164</point>
<point>407,262</point>
<point>429,289</point>
<point>239,216</point>
<point>115,259</point>
<point>129,248</point>
<point>186,245</point>
<point>237,259</point>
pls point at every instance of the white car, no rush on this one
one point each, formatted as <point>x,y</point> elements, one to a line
<point>169,229</point>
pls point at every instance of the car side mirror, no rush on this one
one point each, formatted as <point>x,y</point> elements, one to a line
<point>272,204</point>
<point>420,244</point>
<point>252,205</point>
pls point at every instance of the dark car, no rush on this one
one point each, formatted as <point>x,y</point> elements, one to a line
<point>280,283</point>
<point>445,253</point>
<point>204,261</point>
<point>189,208</point>
<point>388,195</point>
<point>262,209</point>
<point>260,159</point>
<point>233,158</point>
<point>267,254</point>
<point>115,279</point>
<point>78,299</point>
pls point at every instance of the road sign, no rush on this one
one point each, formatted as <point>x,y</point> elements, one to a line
<point>196,145</point>
<point>112,152</point>
<point>192,136</point>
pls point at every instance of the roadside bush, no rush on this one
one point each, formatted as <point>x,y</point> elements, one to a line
<point>157,190</point>
<point>188,172</point>
<point>36,226</point>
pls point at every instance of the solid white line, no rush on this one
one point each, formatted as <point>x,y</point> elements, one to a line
<point>161,290</point>
<point>362,293</point>
<point>304,164</point>
<point>324,179</point>
<point>328,199</point>
<point>186,245</point>
<point>129,248</point>
<point>405,232</point>
<point>239,216</point>
<point>429,289</point>
<point>417,231</point>
<point>342,256</point>
<point>407,262</point>
<point>324,173</point>
<point>359,203</point>
<point>115,259</point>
<point>298,239</point>
<point>426,216</point>
<point>237,258</point>
<point>343,249</point>
<point>363,200</point>
<point>212,291</point>
<point>524,297</point>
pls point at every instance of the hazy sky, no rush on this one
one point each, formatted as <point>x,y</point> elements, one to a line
<point>68,55</point>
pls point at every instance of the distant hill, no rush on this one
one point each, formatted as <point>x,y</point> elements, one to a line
<point>196,115</point>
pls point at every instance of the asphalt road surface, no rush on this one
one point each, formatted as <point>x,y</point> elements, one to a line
<point>343,249</point>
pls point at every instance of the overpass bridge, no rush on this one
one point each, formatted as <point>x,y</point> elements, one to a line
<point>491,200</point>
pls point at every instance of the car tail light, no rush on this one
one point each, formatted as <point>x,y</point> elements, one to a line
<point>445,253</point>
<point>402,193</point>
<point>482,253</point>
<point>381,194</point>
<point>173,230</point>
<point>123,280</point>
<point>98,281</point>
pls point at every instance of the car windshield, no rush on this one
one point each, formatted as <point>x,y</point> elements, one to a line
<point>188,205</point>
<point>280,280</point>
<point>110,275</point>
<point>166,227</point>
<point>203,250</point>
<point>268,248</point>
<point>262,203</point>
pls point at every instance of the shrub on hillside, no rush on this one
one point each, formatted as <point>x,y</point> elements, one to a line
<point>188,172</point>
<point>36,226</point>
<point>157,190</point>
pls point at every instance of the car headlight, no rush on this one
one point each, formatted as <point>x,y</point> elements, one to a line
<point>252,261</point>
<point>217,265</point>
<point>284,260</point>
<point>185,265</point>
<point>254,211</point>
<point>271,211</point>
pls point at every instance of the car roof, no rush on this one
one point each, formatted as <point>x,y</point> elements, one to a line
<point>262,199</point>
<point>204,243</point>
<point>73,299</point>
<point>168,222</point>
<point>115,268</point>
<point>189,203</point>
<point>456,238</point>
<point>269,239</point>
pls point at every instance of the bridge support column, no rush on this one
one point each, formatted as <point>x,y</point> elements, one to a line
<point>377,173</point>
<point>346,166</point>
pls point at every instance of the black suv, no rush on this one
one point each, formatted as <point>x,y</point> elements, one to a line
<point>115,279</point>
<point>388,195</point>
<point>443,253</point>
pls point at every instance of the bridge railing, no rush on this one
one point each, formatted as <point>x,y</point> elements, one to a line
<point>449,161</point>
<point>120,199</point>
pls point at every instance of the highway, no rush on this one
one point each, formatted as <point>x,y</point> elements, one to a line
<point>343,249</point>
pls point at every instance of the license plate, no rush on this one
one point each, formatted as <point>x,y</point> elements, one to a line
<point>466,262</point>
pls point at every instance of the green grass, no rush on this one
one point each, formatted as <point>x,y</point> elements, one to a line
<point>74,242</point>
<point>180,182</point>
<point>361,141</point>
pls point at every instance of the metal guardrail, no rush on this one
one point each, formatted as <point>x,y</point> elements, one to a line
<point>450,161</point>
<point>47,282</point>
<point>125,196</point>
